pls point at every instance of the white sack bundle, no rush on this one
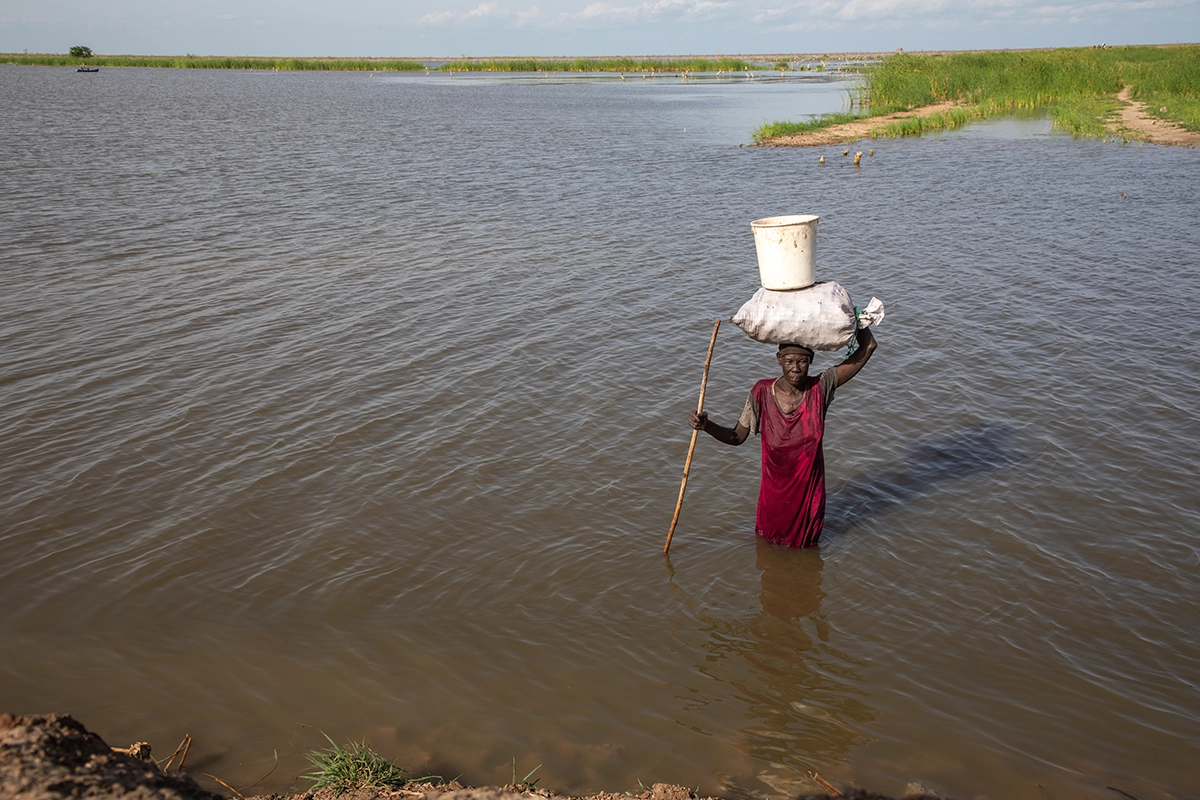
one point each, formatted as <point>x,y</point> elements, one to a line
<point>820,316</point>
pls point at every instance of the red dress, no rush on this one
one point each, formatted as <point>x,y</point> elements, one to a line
<point>791,499</point>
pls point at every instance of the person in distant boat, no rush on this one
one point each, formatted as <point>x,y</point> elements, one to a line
<point>788,412</point>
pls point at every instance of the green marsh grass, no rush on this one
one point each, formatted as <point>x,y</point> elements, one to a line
<point>356,766</point>
<point>1077,86</point>
<point>1083,115</point>
<point>220,62</point>
<point>771,129</point>
<point>1169,86</point>
<point>1183,110</point>
<point>942,120</point>
<point>634,65</point>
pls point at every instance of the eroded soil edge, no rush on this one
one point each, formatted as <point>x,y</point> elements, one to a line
<point>54,757</point>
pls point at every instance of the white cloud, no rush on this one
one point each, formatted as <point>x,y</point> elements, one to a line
<point>842,14</point>
<point>584,27</point>
<point>591,15</point>
<point>481,12</point>
<point>682,10</point>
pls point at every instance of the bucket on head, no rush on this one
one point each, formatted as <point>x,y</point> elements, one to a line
<point>787,248</point>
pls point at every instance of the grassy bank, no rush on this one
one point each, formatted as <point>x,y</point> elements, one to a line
<point>626,65</point>
<point>1076,85</point>
<point>218,62</point>
<point>632,65</point>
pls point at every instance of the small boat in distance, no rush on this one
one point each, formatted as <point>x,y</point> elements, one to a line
<point>87,69</point>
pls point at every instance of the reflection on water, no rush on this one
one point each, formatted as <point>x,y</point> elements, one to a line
<point>804,700</point>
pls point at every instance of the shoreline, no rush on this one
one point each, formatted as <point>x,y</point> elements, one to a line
<point>847,132</point>
<point>1131,123</point>
<point>1118,115</point>
<point>48,756</point>
<point>840,55</point>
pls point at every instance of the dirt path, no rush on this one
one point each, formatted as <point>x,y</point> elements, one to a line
<point>1133,122</point>
<point>1141,126</point>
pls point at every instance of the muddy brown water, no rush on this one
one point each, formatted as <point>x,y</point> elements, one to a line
<point>354,405</point>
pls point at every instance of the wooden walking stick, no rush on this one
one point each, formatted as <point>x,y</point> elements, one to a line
<point>687,465</point>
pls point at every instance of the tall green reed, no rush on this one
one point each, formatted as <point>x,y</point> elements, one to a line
<point>220,62</point>
<point>1077,86</point>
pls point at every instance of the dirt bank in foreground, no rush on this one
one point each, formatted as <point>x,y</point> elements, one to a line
<point>54,757</point>
<point>1133,123</point>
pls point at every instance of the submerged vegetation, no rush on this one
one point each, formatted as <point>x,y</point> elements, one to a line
<point>1077,86</point>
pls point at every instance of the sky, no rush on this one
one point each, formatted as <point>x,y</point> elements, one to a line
<point>454,28</point>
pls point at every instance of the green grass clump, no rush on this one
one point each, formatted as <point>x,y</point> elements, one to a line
<point>770,130</point>
<point>1169,86</point>
<point>1084,115</point>
<point>1182,110</point>
<point>356,766</point>
<point>941,121</point>
<point>1076,85</point>
<point>219,62</point>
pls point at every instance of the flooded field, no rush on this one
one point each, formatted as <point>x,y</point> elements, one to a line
<point>356,405</point>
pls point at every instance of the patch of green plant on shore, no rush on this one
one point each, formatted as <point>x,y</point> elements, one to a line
<point>771,130</point>
<point>1083,115</point>
<point>357,766</point>
<point>1182,110</point>
<point>221,62</point>
<point>1077,86</point>
<point>941,121</point>
<point>652,65</point>
<point>524,785</point>
<point>1170,87</point>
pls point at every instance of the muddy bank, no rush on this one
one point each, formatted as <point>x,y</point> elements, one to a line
<point>53,756</point>
<point>1132,123</point>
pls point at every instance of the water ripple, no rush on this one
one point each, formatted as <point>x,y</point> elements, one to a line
<point>385,379</point>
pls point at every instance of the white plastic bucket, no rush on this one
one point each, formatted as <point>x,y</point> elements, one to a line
<point>787,249</point>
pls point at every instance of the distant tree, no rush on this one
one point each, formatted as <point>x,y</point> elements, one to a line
<point>79,51</point>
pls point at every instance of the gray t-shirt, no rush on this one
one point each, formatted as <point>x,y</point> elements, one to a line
<point>750,415</point>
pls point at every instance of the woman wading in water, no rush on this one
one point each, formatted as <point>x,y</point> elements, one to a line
<point>788,412</point>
